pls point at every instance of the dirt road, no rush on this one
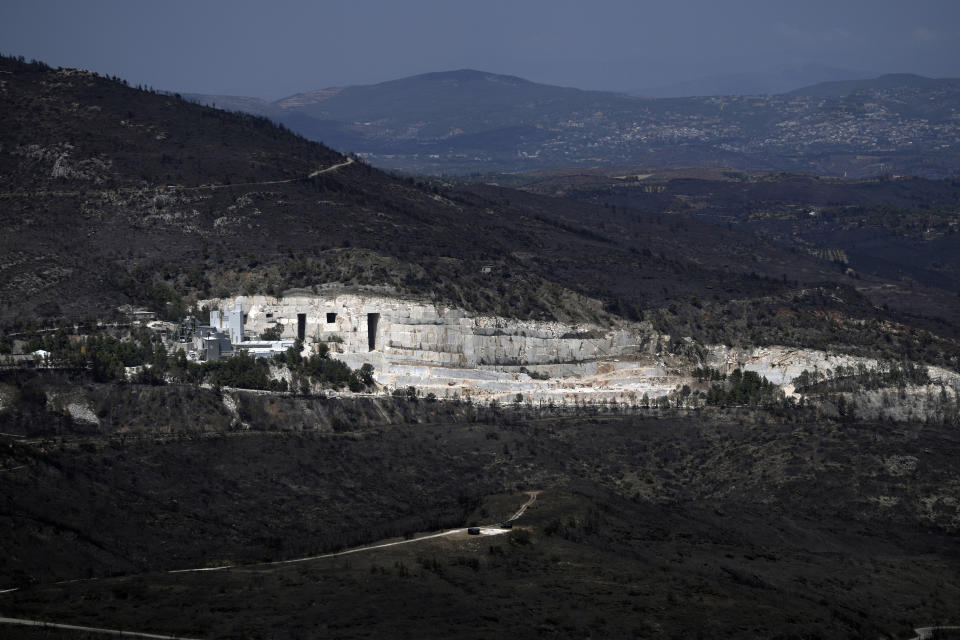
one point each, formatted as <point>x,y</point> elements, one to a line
<point>533,497</point>
<point>484,530</point>
<point>314,174</point>
<point>74,627</point>
<point>331,168</point>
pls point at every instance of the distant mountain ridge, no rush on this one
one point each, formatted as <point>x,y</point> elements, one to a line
<point>469,121</point>
<point>769,82</point>
<point>840,88</point>
<point>246,104</point>
<point>428,93</point>
<point>308,98</point>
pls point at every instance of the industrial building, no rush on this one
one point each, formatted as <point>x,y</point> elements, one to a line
<point>224,337</point>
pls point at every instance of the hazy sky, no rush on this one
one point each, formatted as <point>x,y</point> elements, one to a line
<point>275,48</point>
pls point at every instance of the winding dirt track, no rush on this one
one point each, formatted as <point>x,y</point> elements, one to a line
<point>314,174</point>
<point>493,529</point>
<point>74,627</point>
<point>487,530</point>
<point>329,169</point>
<point>484,530</point>
<point>533,497</point>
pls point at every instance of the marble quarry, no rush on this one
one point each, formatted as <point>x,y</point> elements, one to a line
<point>454,354</point>
<point>446,351</point>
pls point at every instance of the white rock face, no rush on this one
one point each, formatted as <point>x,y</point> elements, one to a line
<point>402,331</point>
<point>450,353</point>
<point>781,365</point>
<point>416,333</point>
<point>82,413</point>
<point>73,403</point>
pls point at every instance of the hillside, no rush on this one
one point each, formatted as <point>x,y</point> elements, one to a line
<point>724,524</point>
<point>152,200</point>
<point>904,229</point>
<point>772,81</point>
<point>462,122</point>
<point>806,490</point>
<point>887,82</point>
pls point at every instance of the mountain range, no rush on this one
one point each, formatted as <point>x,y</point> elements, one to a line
<point>468,121</point>
<point>768,82</point>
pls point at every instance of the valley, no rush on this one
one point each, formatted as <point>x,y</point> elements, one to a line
<point>898,227</point>
<point>251,387</point>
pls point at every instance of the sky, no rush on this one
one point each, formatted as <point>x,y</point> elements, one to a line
<point>272,49</point>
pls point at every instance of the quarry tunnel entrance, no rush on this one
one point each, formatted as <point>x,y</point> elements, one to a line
<point>301,325</point>
<point>373,319</point>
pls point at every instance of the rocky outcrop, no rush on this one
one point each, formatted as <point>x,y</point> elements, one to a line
<point>781,365</point>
